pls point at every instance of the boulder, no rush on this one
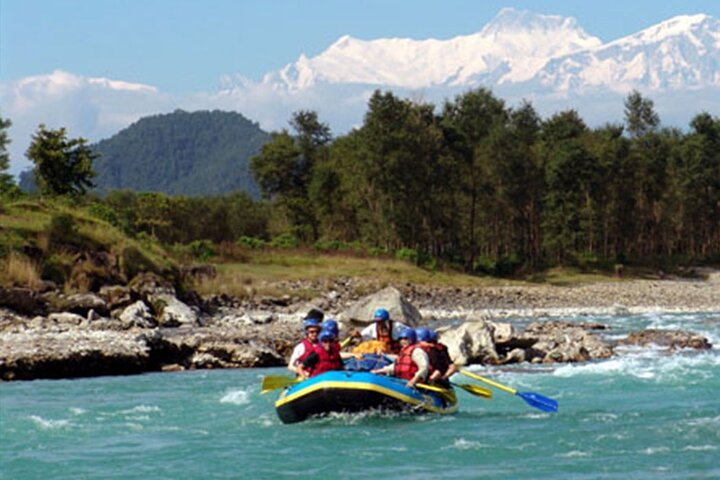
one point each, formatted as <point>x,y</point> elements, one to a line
<point>672,339</point>
<point>471,342</point>
<point>117,296</point>
<point>23,300</point>
<point>171,312</point>
<point>389,298</point>
<point>80,303</point>
<point>137,314</point>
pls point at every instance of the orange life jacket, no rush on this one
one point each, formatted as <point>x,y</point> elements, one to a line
<point>391,346</point>
<point>404,366</point>
<point>327,360</point>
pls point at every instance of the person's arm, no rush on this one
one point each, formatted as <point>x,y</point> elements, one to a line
<point>368,333</point>
<point>386,370</point>
<point>296,354</point>
<point>421,360</point>
<point>309,363</point>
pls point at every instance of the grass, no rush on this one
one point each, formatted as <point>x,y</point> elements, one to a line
<point>26,225</point>
<point>19,270</point>
<point>264,270</point>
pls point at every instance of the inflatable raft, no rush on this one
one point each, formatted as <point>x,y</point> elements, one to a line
<point>355,391</point>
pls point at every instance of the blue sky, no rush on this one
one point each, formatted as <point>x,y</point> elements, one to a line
<point>183,46</point>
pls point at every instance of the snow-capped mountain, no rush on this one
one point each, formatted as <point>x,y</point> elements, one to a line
<point>518,47</point>
<point>680,53</point>
<point>511,48</point>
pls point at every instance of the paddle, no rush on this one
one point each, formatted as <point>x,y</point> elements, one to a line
<point>474,390</point>
<point>273,382</point>
<point>345,342</point>
<point>533,399</point>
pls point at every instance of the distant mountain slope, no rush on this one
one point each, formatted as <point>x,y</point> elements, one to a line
<point>197,153</point>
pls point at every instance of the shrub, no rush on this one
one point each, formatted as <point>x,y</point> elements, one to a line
<point>285,240</point>
<point>408,255</point>
<point>507,265</point>
<point>202,249</point>
<point>329,245</point>
<point>251,242</point>
<point>106,213</point>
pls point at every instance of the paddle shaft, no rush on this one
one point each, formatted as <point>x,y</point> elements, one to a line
<point>489,382</point>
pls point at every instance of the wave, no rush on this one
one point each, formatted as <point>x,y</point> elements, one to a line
<point>236,397</point>
<point>47,424</point>
<point>648,364</point>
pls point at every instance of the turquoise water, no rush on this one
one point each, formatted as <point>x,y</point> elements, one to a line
<point>642,415</point>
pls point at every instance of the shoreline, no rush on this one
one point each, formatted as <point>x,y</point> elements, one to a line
<point>150,329</point>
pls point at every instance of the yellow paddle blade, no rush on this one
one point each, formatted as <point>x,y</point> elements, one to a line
<point>446,393</point>
<point>273,382</point>
<point>476,390</point>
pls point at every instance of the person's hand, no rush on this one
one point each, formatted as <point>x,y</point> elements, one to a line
<point>410,384</point>
<point>356,333</point>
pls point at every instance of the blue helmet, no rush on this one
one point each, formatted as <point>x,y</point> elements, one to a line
<point>423,334</point>
<point>332,326</point>
<point>381,315</point>
<point>409,333</point>
<point>433,336</point>
<point>326,334</point>
<point>311,322</point>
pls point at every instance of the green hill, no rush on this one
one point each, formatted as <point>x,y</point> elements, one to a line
<point>181,153</point>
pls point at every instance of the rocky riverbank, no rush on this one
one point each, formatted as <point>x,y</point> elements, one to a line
<point>148,326</point>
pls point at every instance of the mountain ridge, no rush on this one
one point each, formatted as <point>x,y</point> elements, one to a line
<point>517,47</point>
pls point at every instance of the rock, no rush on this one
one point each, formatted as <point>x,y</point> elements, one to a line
<point>389,298</point>
<point>672,339</point>
<point>66,319</point>
<point>23,300</point>
<point>171,312</point>
<point>80,303</point>
<point>471,342</point>
<point>117,296</point>
<point>137,314</point>
<point>74,353</point>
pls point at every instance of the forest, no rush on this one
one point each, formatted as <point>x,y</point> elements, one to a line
<point>473,184</point>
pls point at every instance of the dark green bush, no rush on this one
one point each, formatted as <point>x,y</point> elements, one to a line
<point>285,240</point>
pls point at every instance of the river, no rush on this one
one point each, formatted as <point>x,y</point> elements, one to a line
<point>643,415</point>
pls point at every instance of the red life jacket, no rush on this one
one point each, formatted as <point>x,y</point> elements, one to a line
<point>391,346</point>
<point>327,360</point>
<point>309,346</point>
<point>404,366</point>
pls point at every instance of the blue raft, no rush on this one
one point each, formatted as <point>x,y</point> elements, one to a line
<point>355,391</point>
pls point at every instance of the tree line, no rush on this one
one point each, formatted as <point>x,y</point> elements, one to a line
<point>475,183</point>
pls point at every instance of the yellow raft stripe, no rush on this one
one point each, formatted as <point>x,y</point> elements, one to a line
<point>371,387</point>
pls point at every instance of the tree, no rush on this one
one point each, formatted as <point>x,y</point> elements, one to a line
<point>7,185</point>
<point>62,166</point>
<point>640,115</point>
<point>285,166</point>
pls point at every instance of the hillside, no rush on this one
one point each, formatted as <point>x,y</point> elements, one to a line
<point>181,153</point>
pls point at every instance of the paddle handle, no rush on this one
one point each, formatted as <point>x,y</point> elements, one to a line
<point>345,342</point>
<point>489,382</point>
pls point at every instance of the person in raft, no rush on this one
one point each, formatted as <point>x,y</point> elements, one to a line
<point>303,349</point>
<point>383,329</point>
<point>412,362</point>
<point>441,366</point>
<point>324,357</point>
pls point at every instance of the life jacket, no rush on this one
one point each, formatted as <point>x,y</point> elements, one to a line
<point>439,357</point>
<point>391,346</point>
<point>309,346</point>
<point>430,350</point>
<point>327,360</point>
<point>404,366</point>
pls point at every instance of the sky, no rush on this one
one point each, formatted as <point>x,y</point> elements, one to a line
<point>53,52</point>
<point>183,46</point>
